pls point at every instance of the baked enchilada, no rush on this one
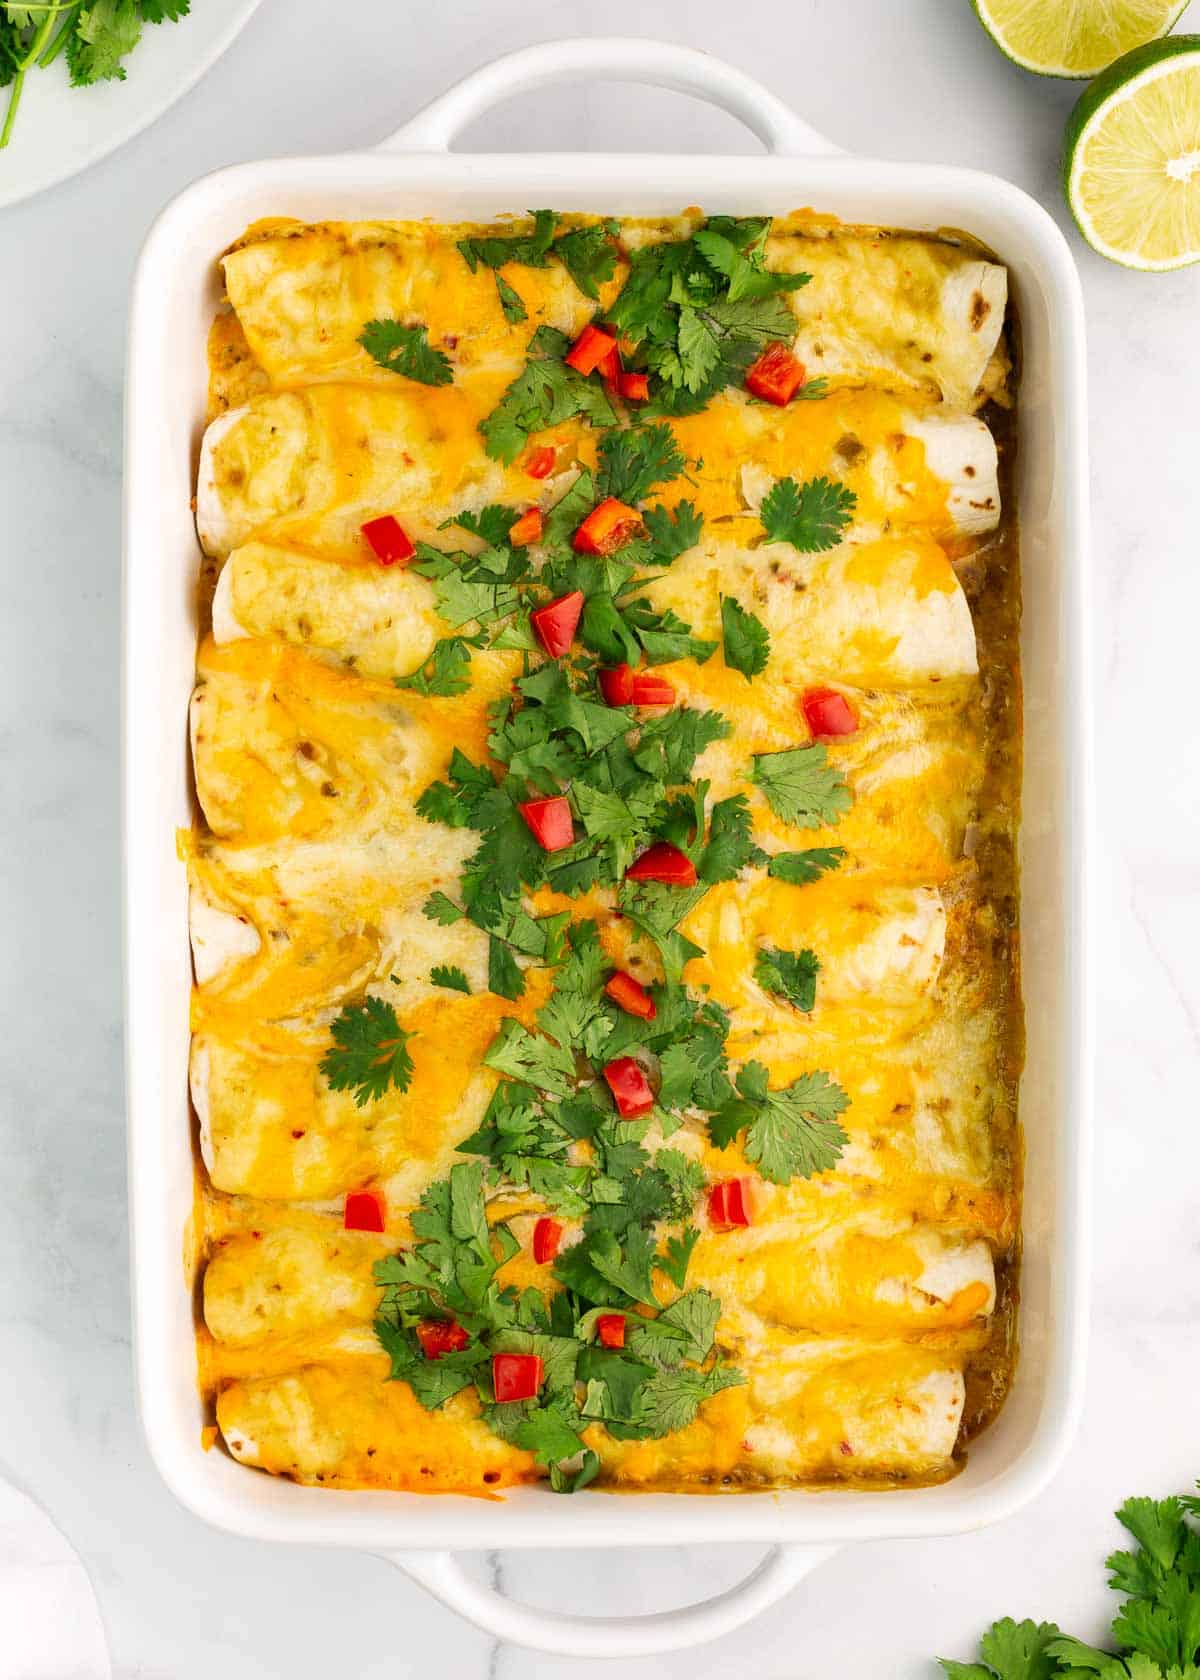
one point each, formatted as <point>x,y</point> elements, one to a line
<point>606,739</point>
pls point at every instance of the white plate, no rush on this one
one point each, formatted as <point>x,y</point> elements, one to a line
<point>61,130</point>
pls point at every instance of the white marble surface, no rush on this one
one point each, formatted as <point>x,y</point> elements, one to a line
<point>902,78</point>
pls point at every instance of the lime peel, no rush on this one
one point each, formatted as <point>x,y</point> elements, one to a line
<point>1074,39</point>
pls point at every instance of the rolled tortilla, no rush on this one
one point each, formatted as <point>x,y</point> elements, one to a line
<point>893,309</point>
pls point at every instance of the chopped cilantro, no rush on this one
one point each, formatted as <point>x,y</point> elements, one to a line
<point>453,979</point>
<point>545,393</point>
<point>442,910</point>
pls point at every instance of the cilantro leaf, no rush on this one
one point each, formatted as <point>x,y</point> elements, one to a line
<point>685,1180</point>
<point>789,974</point>
<point>800,868</point>
<point>506,977</point>
<point>730,845</point>
<point>406,350</point>
<point>510,301</point>
<point>670,1400</point>
<point>674,1263</point>
<point>1011,1651</point>
<point>747,643</point>
<point>104,33</point>
<point>442,910</point>
<point>369,1053</point>
<point>548,1436</point>
<point>535,1060</point>
<point>545,393</point>
<point>801,786</point>
<point>589,255</point>
<point>634,460</point>
<point>792,1133</point>
<point>453,979</point>
<point>810,516</point>
<point>493,251</point>
<point>672,531</point>
<point>164,11</point>
<point>491,524</point>
<point>444,670</point>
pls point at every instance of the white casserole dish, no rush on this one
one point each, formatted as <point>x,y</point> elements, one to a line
<point>414,175</point>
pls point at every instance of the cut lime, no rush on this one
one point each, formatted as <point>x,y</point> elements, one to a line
<point>1074,37</point>
<point>1131,169</point>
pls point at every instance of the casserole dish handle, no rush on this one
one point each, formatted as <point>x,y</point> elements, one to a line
<point>442,1575</point>
<point>611,58</point>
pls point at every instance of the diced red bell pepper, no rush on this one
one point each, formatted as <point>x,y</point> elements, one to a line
<point>438,1336</point>
<point>609,525</point>
<point>663,862</point>
<point>828,714</point>
<point>516,1376</point>
<point>547,1234</point>
<point>610,1327</point>
<point>389,540</point>
<point>610,367</point>
<point>634,387</point>
<point>365,1210</point>
<point>627,1081</point>
<point>649,690</point>
<point>539,463</point>
<point>616,685</point>
<point>730,1203</point>
<point>631,996</point>
<point>527,529</point>
<point>776,376</point>
<point>590,350</point>
<point>555,624</point>
<point>549,821</point>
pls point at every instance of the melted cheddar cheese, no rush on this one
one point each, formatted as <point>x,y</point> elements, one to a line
<point>869,1306</point>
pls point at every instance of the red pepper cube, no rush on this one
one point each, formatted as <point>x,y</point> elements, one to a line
<point>610,1328</point>
<point>616,685</point>
<point>730,1203</point>
<point>608,527</point>
<point>649,690</point>
<point>828,714</point>
<point>663,862</point>
<point>539,463</point>
<point>634,387</point>
<point>516,1376</point>
<point>438,1336</point>
<point>388,540</point>
<point>547,1235</point>
<point>364,1211</point>
<point>591,350</point>
<point>628,994</point>
<point>549,821</point>
<point>627,1081</point>
<point>776,376</point>
<point>555,624</point>
<point>527,529</point>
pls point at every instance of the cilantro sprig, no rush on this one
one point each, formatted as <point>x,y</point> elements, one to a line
<point>545,393</point>
<point>96,35</point>
<point>746,639</point>
<point>1156,1630</point>
<point>801,786</point>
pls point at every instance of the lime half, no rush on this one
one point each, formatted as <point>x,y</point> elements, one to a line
<point>1131,170</point>
<point>1074,37</point>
